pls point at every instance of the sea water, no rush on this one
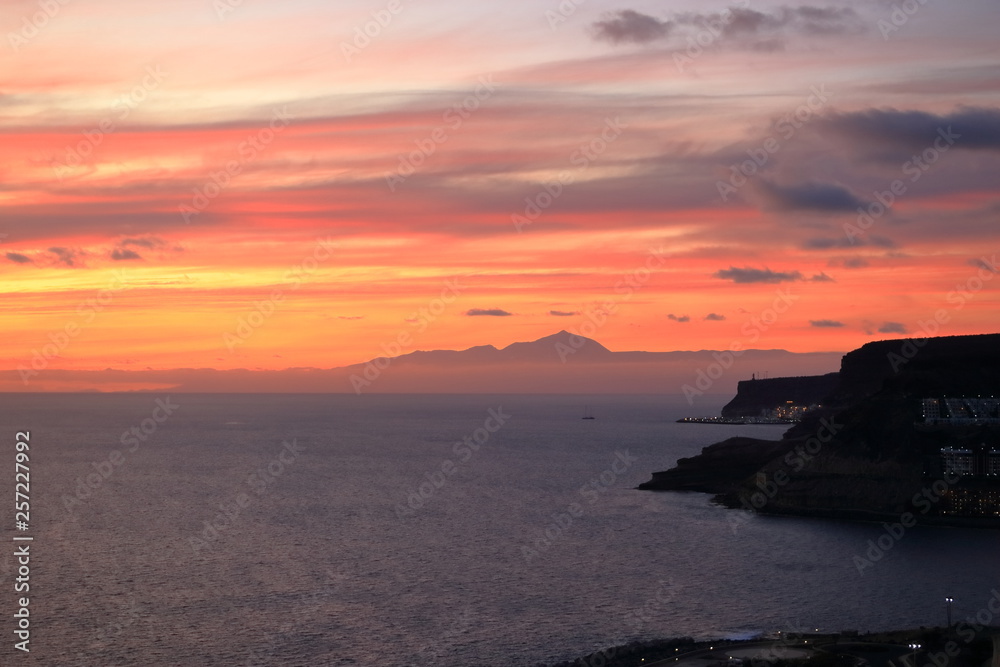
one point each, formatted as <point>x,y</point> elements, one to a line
<point>180,529</point>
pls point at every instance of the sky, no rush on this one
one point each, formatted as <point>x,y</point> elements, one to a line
<point>248,184</point>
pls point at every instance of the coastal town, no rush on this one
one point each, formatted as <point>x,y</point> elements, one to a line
<point>948,442</point>
<point>787,413</point>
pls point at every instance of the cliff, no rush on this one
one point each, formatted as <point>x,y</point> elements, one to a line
<point>756,396</point>
<point>866,453</point>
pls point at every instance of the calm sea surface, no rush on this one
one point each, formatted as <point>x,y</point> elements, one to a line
<point>371,538</point>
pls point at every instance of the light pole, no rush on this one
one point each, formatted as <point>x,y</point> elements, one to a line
<point>913,656</point>
<point>947,603</point>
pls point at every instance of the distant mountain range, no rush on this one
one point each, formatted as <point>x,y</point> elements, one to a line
<point>560,363</point>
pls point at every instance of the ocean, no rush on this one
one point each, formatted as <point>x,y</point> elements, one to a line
<point>398,530</point>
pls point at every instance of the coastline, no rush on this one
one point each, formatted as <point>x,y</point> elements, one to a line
<point>737,421</point>
<point>964,646</point>
<point>913,443</point>
<point>863,516</point>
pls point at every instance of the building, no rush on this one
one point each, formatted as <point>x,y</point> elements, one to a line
<point>993,463</point>
<point>958,461</point>
<point>978,502</point>
<point>979,461</point>
<point>977,491</point>
<point>961,410</point>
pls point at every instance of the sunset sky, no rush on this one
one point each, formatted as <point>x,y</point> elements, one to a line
<point>254,184</point>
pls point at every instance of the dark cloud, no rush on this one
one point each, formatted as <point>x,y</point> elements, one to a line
<point>823,324</point>
<point>741,27</point>
<point>679,318</point>
<point>976,127</point>
<point>825,243</point>
<point>987,263</point>
<point>627,26</point>
<point>751,275</point>
<point>715,317</point>
<point>491,312</point>
<point>850,262</point>
<point>742,21</point>
<point>66,256</point>
<point>822,278</point>
<point>823,20</point>
<point>560,313</point>
<point>120,254</point>
<point>892,328</point>
<point>18,258</point>
<point>148,242</point>
<point>881,241</point>
<point>810,196</point>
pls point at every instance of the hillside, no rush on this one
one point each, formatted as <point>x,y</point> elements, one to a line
<point>756,396</point>
<point>869,452</point>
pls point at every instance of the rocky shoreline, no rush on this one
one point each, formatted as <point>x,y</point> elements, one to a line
<point>864,454</point>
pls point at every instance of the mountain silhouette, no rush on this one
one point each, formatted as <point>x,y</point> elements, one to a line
<point>558,363</point>
<point>551,349</point>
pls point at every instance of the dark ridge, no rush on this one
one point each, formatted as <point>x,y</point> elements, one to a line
<point>867,452</point>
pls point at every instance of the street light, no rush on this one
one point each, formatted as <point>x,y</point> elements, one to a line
<point>913,656</point>
<point>948,601</point>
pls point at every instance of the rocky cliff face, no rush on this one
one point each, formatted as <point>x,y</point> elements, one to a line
<point>863,455</point>
<point>756,396</point>
<point>719,468</point>
<point>955,365</point>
